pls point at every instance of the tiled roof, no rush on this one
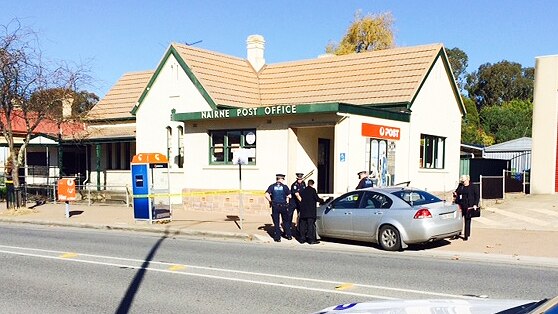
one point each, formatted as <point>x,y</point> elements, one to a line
<point>99,132</point>
<point>121,98</point>
<point>367,78</point>
<point>228,80</point>
<point>378,77</point>
<point>46,126</point>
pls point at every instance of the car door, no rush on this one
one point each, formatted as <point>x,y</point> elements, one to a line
<point>337,217</point>
<point>367,218</point>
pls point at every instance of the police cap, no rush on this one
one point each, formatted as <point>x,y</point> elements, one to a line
<point>299,175</point>
<point>280,176</point>
<point>362,172</point>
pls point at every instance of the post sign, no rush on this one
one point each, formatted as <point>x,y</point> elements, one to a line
<point>66,189</point>
<point>381,131</point>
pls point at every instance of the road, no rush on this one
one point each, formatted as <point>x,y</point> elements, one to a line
<point>66,270</point>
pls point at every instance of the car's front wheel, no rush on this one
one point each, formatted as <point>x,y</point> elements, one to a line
<point>390,239</point>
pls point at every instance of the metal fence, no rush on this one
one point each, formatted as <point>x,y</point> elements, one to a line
<point>496,187</point>
<point>85,194</point>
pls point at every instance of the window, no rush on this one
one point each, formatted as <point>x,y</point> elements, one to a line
<point>180,161</point>
<point>118,156</point>
<point>376,200</point>
<point>416,197</point>
<point>109,156</point>
<point>169,142</point>
<point>349,200</point>
<point>432,151</point>
<point>224,143</point>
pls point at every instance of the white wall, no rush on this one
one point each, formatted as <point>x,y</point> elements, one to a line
<point>349,140</point>
<point>435,112</point>
<point>545,121</point>
<point>279,149</point>
<point>171,90</point>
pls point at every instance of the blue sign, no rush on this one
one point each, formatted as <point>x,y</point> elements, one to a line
<point>342,157</point>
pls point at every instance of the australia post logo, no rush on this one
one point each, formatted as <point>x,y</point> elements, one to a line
<point>381,131</point>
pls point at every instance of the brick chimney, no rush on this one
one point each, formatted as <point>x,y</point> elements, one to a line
<point>67,107</point>
<point>255,51</point>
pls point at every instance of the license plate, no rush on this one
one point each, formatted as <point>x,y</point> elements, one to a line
<point>447,215</point>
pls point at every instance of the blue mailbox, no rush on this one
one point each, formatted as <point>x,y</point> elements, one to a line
<point>150,186</point>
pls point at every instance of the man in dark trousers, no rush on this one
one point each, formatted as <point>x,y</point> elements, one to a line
<point>309,198</point>
<point>278,195</point>
<point>467,196</point>
<point>294,205</point>
<point>365,180</point>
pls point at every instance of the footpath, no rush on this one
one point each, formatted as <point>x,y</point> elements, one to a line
<point>521,229</point>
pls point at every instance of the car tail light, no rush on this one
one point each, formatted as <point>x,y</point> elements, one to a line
<point>423,213</point>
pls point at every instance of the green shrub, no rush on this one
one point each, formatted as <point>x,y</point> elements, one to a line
<point>2,192</point>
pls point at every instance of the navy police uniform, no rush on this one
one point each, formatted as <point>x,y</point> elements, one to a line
<point>296,187</point>
<point>365,182</point>
<point>279,194</point>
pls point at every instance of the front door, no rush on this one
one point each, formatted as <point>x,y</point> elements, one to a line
<point>337,219</point>
<point>367,218</point>
<point>324,175</point>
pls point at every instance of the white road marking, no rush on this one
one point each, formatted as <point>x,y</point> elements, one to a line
<point>80,258</point>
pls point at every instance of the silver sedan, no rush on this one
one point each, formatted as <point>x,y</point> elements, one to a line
<point>393,217</point>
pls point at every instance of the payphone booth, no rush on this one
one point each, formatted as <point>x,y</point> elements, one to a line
<point>151,187</point>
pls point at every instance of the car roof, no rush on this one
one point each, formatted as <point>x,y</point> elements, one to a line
<point>390,189</point>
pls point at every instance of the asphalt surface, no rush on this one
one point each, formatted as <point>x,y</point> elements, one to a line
<point>521,229</point>
<point>81,270</point>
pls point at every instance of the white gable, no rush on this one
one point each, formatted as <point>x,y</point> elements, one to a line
<point>172,89</point>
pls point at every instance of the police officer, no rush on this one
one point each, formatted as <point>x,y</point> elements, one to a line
<point>365,180</point>
<point>278,195</point>
<point>296,188</point>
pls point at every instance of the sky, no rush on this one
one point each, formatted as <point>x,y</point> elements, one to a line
<point>111,38</point>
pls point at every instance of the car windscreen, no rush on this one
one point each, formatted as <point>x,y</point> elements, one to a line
<point>416,197</point>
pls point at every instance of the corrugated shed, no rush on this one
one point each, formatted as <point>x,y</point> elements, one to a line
<point>518,144</point>
<point>517,151</point>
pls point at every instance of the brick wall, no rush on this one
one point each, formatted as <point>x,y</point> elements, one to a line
<point>224,201</point>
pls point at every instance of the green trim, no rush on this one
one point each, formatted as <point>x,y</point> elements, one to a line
<point>441,54</point>
<point>187,70</point>
<point>287,110</point>
<point>403,104</point>
<point>375,112</point>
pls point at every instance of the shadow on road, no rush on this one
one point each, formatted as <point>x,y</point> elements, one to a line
<point>412,247</point>
<point>128,298</point>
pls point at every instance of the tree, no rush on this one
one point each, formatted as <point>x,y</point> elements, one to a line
<point>509,121</point>
<point>83,102</point>
<point>30,91</point>
<point>494,84</point>
<point>459,61</point>
<point>471,128</point>
<point>371,32</point>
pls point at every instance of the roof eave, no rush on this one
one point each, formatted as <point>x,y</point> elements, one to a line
<point>172,51</point>
<point>442,54</point>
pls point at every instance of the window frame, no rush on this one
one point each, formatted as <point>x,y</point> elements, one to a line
<point>431,147</point>
<point>227,146</point>
<point>180,155</point>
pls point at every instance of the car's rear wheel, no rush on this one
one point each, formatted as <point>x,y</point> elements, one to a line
<point>390,239</point>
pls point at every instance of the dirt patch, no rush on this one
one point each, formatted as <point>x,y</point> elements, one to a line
<point>18,212</point>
